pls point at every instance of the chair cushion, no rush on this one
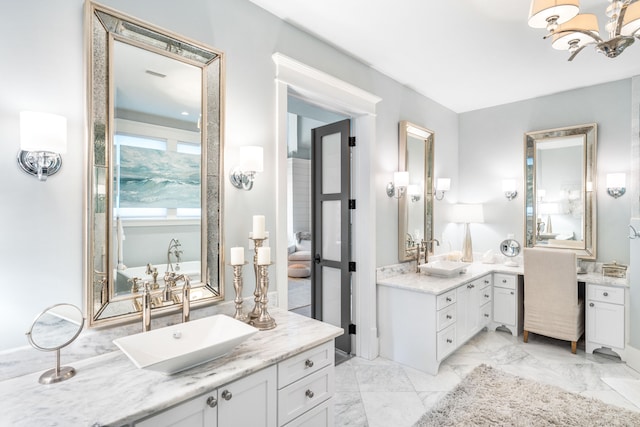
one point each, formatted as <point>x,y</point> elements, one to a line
<point>300,256</point>
<point>299,270</point>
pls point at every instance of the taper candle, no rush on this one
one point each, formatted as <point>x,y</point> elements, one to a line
<point>264,255</point>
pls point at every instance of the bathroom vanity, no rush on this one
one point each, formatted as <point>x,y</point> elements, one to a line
<point>279,377</point>
<point>423,319</point>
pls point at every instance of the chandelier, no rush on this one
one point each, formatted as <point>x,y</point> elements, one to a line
<point>571,30</point>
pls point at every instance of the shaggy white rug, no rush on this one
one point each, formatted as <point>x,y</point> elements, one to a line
<point>490,397</point>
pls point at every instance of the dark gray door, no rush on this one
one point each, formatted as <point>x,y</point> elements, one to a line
<point>331,240</point>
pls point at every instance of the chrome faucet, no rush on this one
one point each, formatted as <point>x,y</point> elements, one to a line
<point>153,272</point>
<point>186,297</point>
<point>424,247</point>
<point>169,282</point>
<point>146,308</point>
<point>175,249</point>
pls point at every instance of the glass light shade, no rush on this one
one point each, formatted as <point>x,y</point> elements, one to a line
<point>443,184</point>
<point>414,190</point>
<point>43,132</point>
<point>467,214</point>
<point>541,10</point>
<point>585,22</point>
<point>401,179</point>
<point>508,185</point>
<point>616,180</point>
<point>251,159</point>
<point>631,20</point>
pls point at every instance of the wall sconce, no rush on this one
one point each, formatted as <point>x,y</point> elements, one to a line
<point>43,137</point>
<point>398,186</point>
<point>616,185</point>
<point>251,162</point>
<point>509,189</point>
<point>442,186</point>
<point>414,191</point>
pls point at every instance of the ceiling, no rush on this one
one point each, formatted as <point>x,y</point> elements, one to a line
<point>465,55</point>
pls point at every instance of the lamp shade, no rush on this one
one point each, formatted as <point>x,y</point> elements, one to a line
<point>251,159</point>
<point>401,179</point>
<point>631,20</point>
<point>616,180</point>
<point>508,185</point>
<point>542,10</point>
<point>43,132</point>
<point>566,33</point>
<point>443,184</point>
<point>467,214</point>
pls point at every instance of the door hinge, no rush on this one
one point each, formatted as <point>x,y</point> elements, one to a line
<point>352,141</point>
<point>352,203</point>
<point>352,266</point>
<point>352,329</point>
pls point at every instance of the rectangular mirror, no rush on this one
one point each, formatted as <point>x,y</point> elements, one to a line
<point>155,166</point>
<point>560,168</point>
<point>415,208</point>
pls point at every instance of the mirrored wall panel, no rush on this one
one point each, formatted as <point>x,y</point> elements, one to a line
<point>560,168</point>
<point>415,208</point>
<point>155,163</point>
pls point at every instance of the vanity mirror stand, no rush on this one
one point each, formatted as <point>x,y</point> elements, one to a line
<point>55,328</point>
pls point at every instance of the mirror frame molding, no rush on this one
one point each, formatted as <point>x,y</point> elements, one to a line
<point>100,128</point>
<point>589,228</point>
<point>407,129</point>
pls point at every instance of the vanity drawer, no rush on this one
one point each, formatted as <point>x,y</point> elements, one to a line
<point>605,294</point>
<point>305,363</point>
<point>445,299</point>
<point>320,416</point>
<point>483,282</point>
<point>446,342</point>
<point>504,280</point>
<point>446,317</point>
<point>299,397</point>
<point>485,314</point>
<point>485,295</point>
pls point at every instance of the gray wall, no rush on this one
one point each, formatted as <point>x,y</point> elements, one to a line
<point>43,69</point>
<point>492,148</point>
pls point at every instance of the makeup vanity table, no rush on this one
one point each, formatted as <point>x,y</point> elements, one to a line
<point>423,319</point>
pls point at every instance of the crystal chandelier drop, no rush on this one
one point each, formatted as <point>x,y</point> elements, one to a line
<point>571,30</point>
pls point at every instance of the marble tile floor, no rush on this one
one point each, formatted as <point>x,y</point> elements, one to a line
<point>382,393</point>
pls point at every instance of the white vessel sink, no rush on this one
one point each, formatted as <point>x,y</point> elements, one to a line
<point>178,347</point>
<point>444,268</point>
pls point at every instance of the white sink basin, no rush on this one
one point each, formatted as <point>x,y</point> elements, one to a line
<point>178,347</point>
<point>444,268</point>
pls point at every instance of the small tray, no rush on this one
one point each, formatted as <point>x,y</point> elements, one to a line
<point>614,270</point>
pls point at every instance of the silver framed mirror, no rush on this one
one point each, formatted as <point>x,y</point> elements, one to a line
<point>154,164</point>
<point>53,329</point>
<point>415,208</point>
<point>560,199</point>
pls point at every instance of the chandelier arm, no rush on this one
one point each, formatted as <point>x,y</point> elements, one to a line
<point>573,55</point>
<point>596,37</point>
<point>623,10</point>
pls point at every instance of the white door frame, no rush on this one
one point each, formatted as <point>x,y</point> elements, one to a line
<point>317,87</point>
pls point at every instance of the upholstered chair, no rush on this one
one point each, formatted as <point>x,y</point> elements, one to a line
<point>551,304</point>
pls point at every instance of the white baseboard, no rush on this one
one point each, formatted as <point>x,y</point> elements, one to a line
<point>632,356</point>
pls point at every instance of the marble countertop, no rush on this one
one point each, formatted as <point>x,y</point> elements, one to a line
<point>421,282</point>
<point>109,390</point>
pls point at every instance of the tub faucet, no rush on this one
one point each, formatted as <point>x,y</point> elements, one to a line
<point>186,298</point>
<point>175,249</point>
<point>146,308</point>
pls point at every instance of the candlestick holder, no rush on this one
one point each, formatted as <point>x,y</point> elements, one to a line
<point>264,320</point>
<point>257,243</point>
<point>237,285</point>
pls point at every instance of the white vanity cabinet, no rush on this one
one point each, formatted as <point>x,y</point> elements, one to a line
<point>507,303</point>
<point>473,309</point>
<point>605,318</point>
<point>249,401</point>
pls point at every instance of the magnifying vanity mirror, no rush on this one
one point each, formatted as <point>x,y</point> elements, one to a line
<point>55,328</point>
<point>415,208</point>
<point>154,168</point>
<point>560,169</point>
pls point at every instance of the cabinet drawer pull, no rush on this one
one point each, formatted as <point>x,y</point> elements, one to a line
<point>486,281</point>
<point>448,299</point>
<point>309,394</point>
<point>606,294</point>
<point>449,340</point>
<point>212,402</point>
<point>512,293</point>
<point>470,286</point>
<point>486,295</point>
<point>486,315</point>
<point>504,280</point>
<point>226,395</point>
<point>449,316</point>
<point>591,304</point>
<point>308,363</point>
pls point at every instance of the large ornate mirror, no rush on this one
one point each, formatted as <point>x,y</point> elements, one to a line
<point>415,208</point>
<point>560,169</point>
<point>154,168</point>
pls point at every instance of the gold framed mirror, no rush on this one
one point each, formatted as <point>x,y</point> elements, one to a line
<point>154,168</point>
<point>560,199</point>
<point>415,208</point>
